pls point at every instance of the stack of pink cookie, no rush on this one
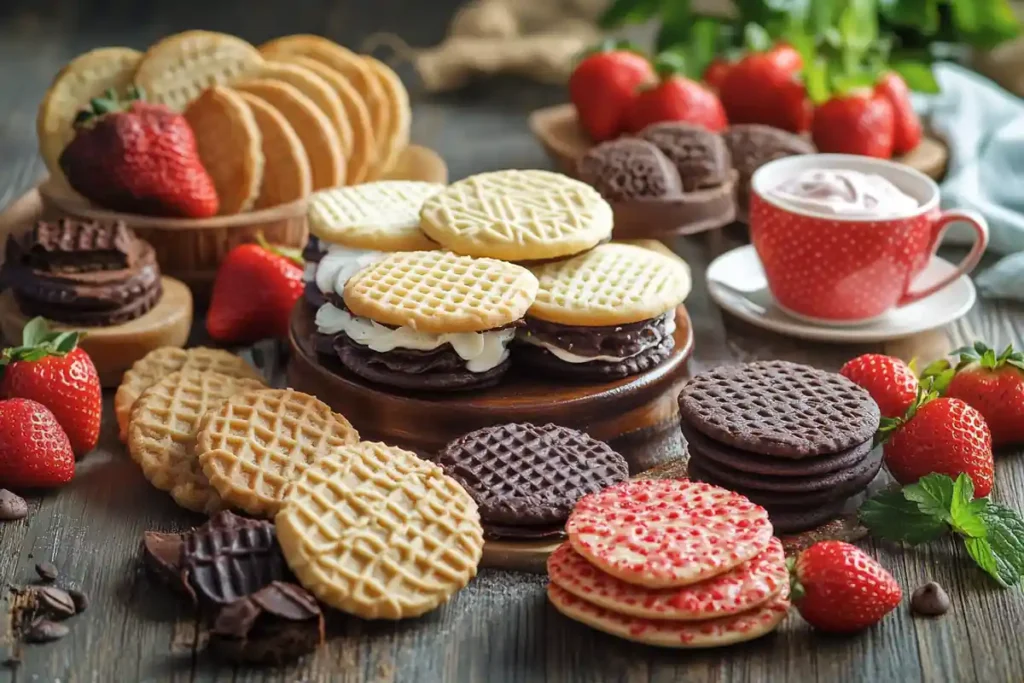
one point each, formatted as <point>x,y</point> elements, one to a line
<point>672,563</point>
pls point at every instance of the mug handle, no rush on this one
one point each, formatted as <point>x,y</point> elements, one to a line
<point>980,227</point>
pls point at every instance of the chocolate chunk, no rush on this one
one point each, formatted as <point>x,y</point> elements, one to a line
<point>54,602</point>
<point>628,168</point>
<point>80,599</point>
<point>278,623</point>
<point>700,156</point>
<point>225,560</point>
<point>753,145</point>
<point>46,571</point>
<point>162,555</point>
<point>930,600</point>
<point>45,631</point>
<point>12,506</point>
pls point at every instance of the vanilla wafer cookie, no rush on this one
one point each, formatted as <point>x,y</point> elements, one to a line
<point>256,443</point>
<point>729,630</point>
<point>390,141</point>
<point>162,433</point>
<point>177,69</point>
<point>382,216</point>
<point>517,216</point>
<point>161,362</point>
<point>612,284</point>
<point>83,78</point>
<point>286,172</point>
<point>441,292</point>
<point>375,531</point>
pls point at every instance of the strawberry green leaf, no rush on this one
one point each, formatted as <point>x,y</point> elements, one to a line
<point>935,368</point>
<point>918,76</point>
<point>1006,538</point>
<point>933,494</point>
<point>988,359</point>
<point>622,12</point>
<point>35,332</point>
<point>1019,364</point>
<point>893,517</point>
<point>964,516</point>
<point>981,551</point>
<point>816,80</point>
<point>980,348</point>
<point>670,63</point>
<point>756,38</point>
<point>941,381</point>
<point>65,343</point>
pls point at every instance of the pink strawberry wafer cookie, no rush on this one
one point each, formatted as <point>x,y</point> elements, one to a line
<point>672,633</point>
<point>662,533</point>
<point>749,585</point>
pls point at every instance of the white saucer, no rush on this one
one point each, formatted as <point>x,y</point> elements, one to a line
<point>736,282</point>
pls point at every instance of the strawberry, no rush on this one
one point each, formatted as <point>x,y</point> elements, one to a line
<point>994,386</point>
<point>758,89</point>
<point>675,98</point>
<point>138,157</point>
<point>716,72</point>
<point>837,587</point>
<point>602,86</point>
<point>36,451</point>
<point>786,57</point>
<point>858,122</point>
<point>907,130</point>
<point>51,369</point>
<point>254,292</point>
<point>890,381</point>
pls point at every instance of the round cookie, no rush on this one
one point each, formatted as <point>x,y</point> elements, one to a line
<point>392,140</point>
<point>517,216</point>
<point>73,315</point>
<point>525,474</point>
<point>700,156</point>
<point>779,408</point>
<point>752,145</point>
<point>629,168</point>
<point>286,173</point>
<point>377,532</point>
<point>663,533</point>
<point>382,216</point>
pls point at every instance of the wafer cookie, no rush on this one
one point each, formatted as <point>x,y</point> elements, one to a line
<point>381,216</point>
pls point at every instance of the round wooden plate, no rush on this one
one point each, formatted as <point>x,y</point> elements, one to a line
<point>564,140</point>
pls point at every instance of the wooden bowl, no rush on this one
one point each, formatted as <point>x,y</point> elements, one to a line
<point>638,415</point>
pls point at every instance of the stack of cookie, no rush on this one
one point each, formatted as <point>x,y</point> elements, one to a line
<point>672,563</point>
<point>796,440</point>
<point>526,478</point>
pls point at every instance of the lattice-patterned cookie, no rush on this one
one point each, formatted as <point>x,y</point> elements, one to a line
<point>257,442</point>
<point>382,216</point>
<point>438,292</point>
<point>375,531</point>
<point>162,433</point>
<point>612,284</point>
<point>517,216</point>
<point>392,140</point>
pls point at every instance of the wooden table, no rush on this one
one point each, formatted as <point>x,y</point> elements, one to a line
<point>499,629</point>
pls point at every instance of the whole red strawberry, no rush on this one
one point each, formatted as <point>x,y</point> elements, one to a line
<point>715,73</point>
<point>675,98</point>
<point>907,128</point>
<point>50,368</point>
<point>890,381</point>
<point>138,157</point>
<point>838,588</point>
<point>36,451</point>
<point>786,57</point>
<point>942,435</point>
<point>858,122</point>
<point>603,85</point>
<point>254,292</point>
<point>762,88</point>
<point>994,386</point>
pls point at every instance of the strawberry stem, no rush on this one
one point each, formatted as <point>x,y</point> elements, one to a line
<point>293,255</point>
<point>669,64</point>
<point>38,342</point>
<point>796,589</point>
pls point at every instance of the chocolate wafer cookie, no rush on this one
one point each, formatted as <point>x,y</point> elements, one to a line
<point>779,408</point>
<point>530,475</point>
<point>538,532</point>
<point>700,156</point>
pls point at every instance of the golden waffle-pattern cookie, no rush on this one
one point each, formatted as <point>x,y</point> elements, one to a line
<point>612,284</point>
<point>363,154</point>
<point>395,138</point>
<point>85,77</point>
<point>162,433</point>
<point>230,146</point>
<point>311,125</point>
<point>161,362</point>
<point>383,216</point>
<point>256,443</point>
<point>437,292</point>
<point>286,173</point>
<point>175,70</point>
<point>517,216</point>
<point>375,531</point>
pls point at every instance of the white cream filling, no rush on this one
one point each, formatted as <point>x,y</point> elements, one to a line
<point>338,265</point>
<point>569,357</point>
<point>481,350</point>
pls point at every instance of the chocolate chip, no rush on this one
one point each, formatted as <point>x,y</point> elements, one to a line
<point>930,600</point>
<point>55,602</point>
<point>80,599</point>
<point>44,631</point>
<point>46,571</point>
<point>12,506</point>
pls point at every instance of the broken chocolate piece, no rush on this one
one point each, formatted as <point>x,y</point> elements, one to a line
<point>277,623</point>
<point>230,557</point>
<point>12,506</point>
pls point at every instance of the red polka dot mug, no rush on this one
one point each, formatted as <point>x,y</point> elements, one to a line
<point>839,268</point>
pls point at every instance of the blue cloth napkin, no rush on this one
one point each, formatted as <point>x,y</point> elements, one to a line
<point>984,128</point>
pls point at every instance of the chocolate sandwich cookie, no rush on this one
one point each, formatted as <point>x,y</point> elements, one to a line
<point>311,255</point>
<point>779,408</point>
<point>429,320</point>
<point>606,314</point>
<point>752,145</point>
<point>701,157</point>
<point>629,168</point>
<point>506,532</point>
<point>527,478</point>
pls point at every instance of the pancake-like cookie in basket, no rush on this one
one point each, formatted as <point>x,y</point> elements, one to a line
<point>517,216</point>
<point>526,478</point>
<point>392,140</point>
<point>605,314</point>
<point>429,320</point>
<point>286,173</point>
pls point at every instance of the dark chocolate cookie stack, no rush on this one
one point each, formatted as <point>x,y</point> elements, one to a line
<point>794,439</point>
<point>84,273</point>
<point>526,478</point>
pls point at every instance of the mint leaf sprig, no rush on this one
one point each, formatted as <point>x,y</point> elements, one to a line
<point>993,534</point>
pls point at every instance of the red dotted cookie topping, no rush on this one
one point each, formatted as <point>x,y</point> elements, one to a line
<point>662,533</point>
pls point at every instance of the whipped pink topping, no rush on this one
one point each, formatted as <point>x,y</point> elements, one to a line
<point>844,192</point>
